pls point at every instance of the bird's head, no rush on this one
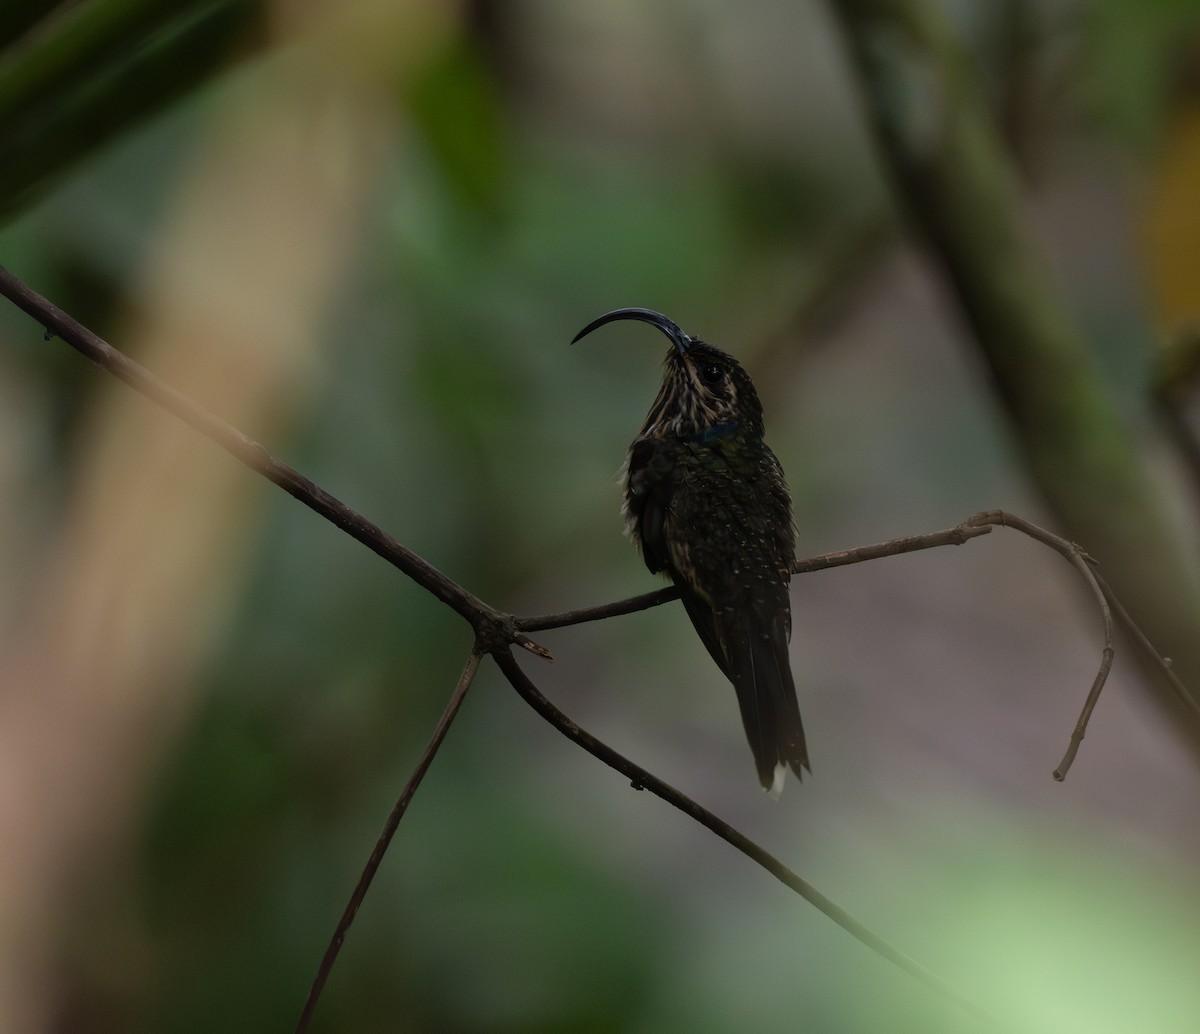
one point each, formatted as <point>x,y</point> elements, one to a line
<point>705,393</point>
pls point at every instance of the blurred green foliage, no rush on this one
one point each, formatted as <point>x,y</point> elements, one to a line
<point>90,71</point>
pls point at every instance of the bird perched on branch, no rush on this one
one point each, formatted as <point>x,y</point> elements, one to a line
<point>706,503</point>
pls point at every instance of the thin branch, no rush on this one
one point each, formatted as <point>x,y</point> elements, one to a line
<point>607,610</point>
<point>1083,564</point>
<point>955,536</point>
<point>1149,650</point>
<point>385,838</point>
<point>643,780</point>
<point>1085,716</point>
<point>254,456</point>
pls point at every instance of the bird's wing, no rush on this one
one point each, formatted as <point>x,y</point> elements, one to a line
<point>649,486</point>
<point>701,613</point>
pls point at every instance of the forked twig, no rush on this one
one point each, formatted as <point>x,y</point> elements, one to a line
<point>1083,564</point>
<point>496,631</point>
<point>972,527</point>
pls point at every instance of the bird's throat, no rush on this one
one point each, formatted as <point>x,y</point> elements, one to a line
<point>717,431</point>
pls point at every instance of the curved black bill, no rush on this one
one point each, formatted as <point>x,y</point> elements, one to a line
<point>669,327</point>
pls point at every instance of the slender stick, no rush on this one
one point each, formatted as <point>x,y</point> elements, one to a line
<point>643,780</point>
<point>1149,650</point>
<point>955,536</point>
<point>607,610</point>
<point>1083,564</point>
<point>385,838</point>
<point>241,447</point>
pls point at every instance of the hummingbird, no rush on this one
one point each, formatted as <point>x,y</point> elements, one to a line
<point>706,503</point>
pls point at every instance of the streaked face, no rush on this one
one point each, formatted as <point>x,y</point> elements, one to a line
<point>703,388</point>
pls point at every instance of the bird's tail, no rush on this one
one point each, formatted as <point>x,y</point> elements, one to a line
<point>761,673</point>
<point>753,654</point>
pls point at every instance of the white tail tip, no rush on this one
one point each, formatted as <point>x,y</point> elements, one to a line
<point>776,787</point>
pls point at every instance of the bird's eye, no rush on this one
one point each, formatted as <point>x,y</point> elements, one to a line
<point>711,373</point>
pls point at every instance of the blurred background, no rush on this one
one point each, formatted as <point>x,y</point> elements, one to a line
<point>364,233</point>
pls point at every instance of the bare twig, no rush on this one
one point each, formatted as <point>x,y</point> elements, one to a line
<point>608,610</point>
<point>1083,564</point>
<point>385,838</point>
<point>254,456</point>
<point>1149,650</point>
<point>496,631</point>
<point>643,780</point>
<point>955,536</point>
